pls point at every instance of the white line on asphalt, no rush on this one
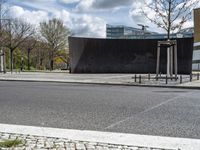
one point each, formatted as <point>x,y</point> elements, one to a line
<point>147,110</point>
<point>105,137</point>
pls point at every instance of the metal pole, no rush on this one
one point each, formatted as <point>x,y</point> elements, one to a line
<point>191,77</point>
<point>168,61</point>
<point>1,14</point>
<point>175,61</point>
<point>135,78</point>
<point>140,79</point>
<point>1,46</point>
<point>171,61</point>
<point>1,51</point>
<point>158,61</point>
<point>11,52</point>
<point>181,79</point>
<point>166,79</point>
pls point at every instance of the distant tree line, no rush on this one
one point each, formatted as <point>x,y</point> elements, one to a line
<point>33,48</point>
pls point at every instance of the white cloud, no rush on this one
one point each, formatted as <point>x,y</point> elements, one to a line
<point>94,5</point>
<point>44,5</point>
<point>136,15</point>
<point>91,12</point>
<point>84,6</point>
<point>68,1</point>
<point>33,17</point>
<point>89,26</point>
<point>81,25</point>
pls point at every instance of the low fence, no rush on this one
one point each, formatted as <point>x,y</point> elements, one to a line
<point>152,79</point>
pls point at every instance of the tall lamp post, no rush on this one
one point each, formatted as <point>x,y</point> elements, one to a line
<point>144,29</point>
<point>1,47</point>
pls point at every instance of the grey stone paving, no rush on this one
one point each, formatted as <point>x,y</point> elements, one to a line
<point>128,79</point>
<point>47,143</point>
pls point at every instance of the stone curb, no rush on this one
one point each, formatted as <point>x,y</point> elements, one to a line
<point>30,142</point>
<point>157,142</point>
<point>106,83</point>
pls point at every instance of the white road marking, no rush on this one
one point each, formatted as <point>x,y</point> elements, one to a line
<point>147,110</point>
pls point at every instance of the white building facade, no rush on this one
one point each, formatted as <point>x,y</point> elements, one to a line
<point>196,53</point>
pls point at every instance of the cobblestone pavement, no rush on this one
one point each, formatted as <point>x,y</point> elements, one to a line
<point>47,143</point>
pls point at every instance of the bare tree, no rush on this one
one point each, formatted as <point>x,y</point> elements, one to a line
<point>3,17</point>
<point>28,46</point>
<point>17,32</point>
<point>169,15</point>
<point>3,11</point>
<point>55,34</point>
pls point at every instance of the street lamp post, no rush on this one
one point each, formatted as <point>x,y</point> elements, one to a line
<point>144,29</point>
<point>1,47</point>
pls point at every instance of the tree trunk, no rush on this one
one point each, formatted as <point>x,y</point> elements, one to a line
<point>29,59</point>
<point>168,35</point>
<point>52,65</point>
<point>169,21</point>
<point>168,38</point>
<point>52,61</point>
<point>11,60</point>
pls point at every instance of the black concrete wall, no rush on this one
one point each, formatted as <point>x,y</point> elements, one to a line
<point>89,55</point>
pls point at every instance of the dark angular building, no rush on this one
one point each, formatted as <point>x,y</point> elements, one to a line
<point>90,55</point>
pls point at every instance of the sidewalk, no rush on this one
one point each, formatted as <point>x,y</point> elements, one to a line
<point>38,138</point>
<point>105,79</point>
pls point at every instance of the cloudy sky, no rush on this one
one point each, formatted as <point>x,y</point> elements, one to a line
<point>83,17</point>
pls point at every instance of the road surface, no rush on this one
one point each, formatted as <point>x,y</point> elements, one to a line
<point>138,110</point>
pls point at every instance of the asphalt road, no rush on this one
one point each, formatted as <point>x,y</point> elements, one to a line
<point>138,110</point>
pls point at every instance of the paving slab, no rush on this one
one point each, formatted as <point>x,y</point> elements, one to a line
<point>109,79</point>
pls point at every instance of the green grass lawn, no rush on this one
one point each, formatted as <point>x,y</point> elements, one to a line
<point>10,143</point>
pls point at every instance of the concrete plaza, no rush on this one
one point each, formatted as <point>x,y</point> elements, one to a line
<point>105,79</point>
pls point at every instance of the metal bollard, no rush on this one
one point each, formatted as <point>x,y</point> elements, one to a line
<point>176,77</point>
<point>166,80</point>
<point>135,78</point>
<point>190,77</point>
<point>198,76</point>
<point>140,79</point>
<point>156,77</point>
<point>181,79</point>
